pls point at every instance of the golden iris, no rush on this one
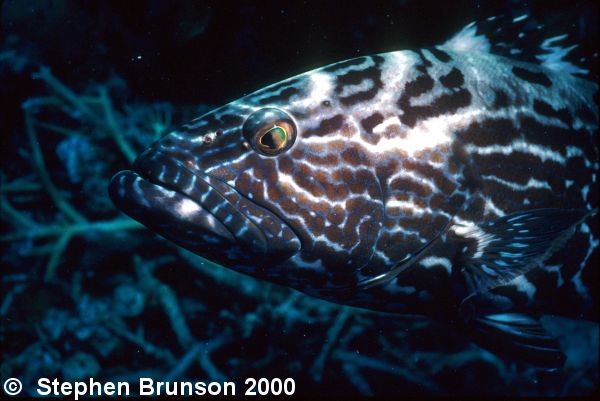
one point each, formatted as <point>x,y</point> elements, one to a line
<point>274,139</point>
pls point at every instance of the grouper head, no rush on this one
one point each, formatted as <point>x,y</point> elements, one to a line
<point>283,184</point>
<point>202,188</point>
<point>272,184</point>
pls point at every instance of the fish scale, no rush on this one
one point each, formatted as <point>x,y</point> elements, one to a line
<point>455,181</point>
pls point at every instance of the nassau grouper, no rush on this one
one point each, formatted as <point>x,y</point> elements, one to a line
<point>456,182</point>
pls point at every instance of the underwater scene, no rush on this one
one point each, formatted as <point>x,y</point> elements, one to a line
<point>312,198</point>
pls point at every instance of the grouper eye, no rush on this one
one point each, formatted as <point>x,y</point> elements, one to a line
<point>270,131</point>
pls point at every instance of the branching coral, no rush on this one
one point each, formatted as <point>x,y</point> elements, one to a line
<point>71,222</point>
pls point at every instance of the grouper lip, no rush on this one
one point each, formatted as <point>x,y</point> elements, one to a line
<point>162,209</point>
<point>163,194</point>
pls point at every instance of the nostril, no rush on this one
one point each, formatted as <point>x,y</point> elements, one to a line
<point>209,138</point>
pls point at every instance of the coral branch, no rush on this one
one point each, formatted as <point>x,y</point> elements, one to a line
<point>332,336</point>
<point>38,162</point>
<point>113,129</point>
<point>356,378</point>
<point>119,224</point>
<point>62,91</point>
<point>107,122</point>
<point>21,184</point>
<point>184,363</point>
<point>15,217</point>
<point>58,129</point>
<point>57,251</point>
<point>168,301</point>
<point>364,362</point>
<point>206,363</point>
<point>164,355</point>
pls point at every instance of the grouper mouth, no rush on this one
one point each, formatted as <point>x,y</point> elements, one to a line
<point>197,211</point>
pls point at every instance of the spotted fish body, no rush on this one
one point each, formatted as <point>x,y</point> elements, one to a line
<point>450,181</point>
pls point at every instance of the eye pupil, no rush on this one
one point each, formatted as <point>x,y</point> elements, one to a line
<point>275,138</point>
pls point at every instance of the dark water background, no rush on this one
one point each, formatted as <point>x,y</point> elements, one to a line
<point>85,292</point>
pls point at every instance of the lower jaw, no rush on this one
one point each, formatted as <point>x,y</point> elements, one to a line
<point>169,213</point>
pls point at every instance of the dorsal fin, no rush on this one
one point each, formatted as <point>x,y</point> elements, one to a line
<point>522,37</point>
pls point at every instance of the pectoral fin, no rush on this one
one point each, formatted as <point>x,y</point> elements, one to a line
<point>517,336</point>
<point>497,251</point>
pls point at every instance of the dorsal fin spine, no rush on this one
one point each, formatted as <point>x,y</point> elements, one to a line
<point>522,38</point>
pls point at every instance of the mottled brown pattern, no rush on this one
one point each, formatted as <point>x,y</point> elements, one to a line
<point>354,157</point>
<point>327,160</point>
<point>440,54</point>
<point>441,181</point>
<point>443,105</point>
<point>371,122</point>
<point>499,131</point>
<point>512,168</point>
<point>546,109</point>
<point>535,77</point>
<point>283,97</point>
<point>338,192</point>
<point>410,186</point>
<point>386,168</point>
<point>453,79</point>
<point>354,77</point>
<point>326,127</point>
<point>500,99</point>
<point>337,215</point>
<point>548,136</point>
